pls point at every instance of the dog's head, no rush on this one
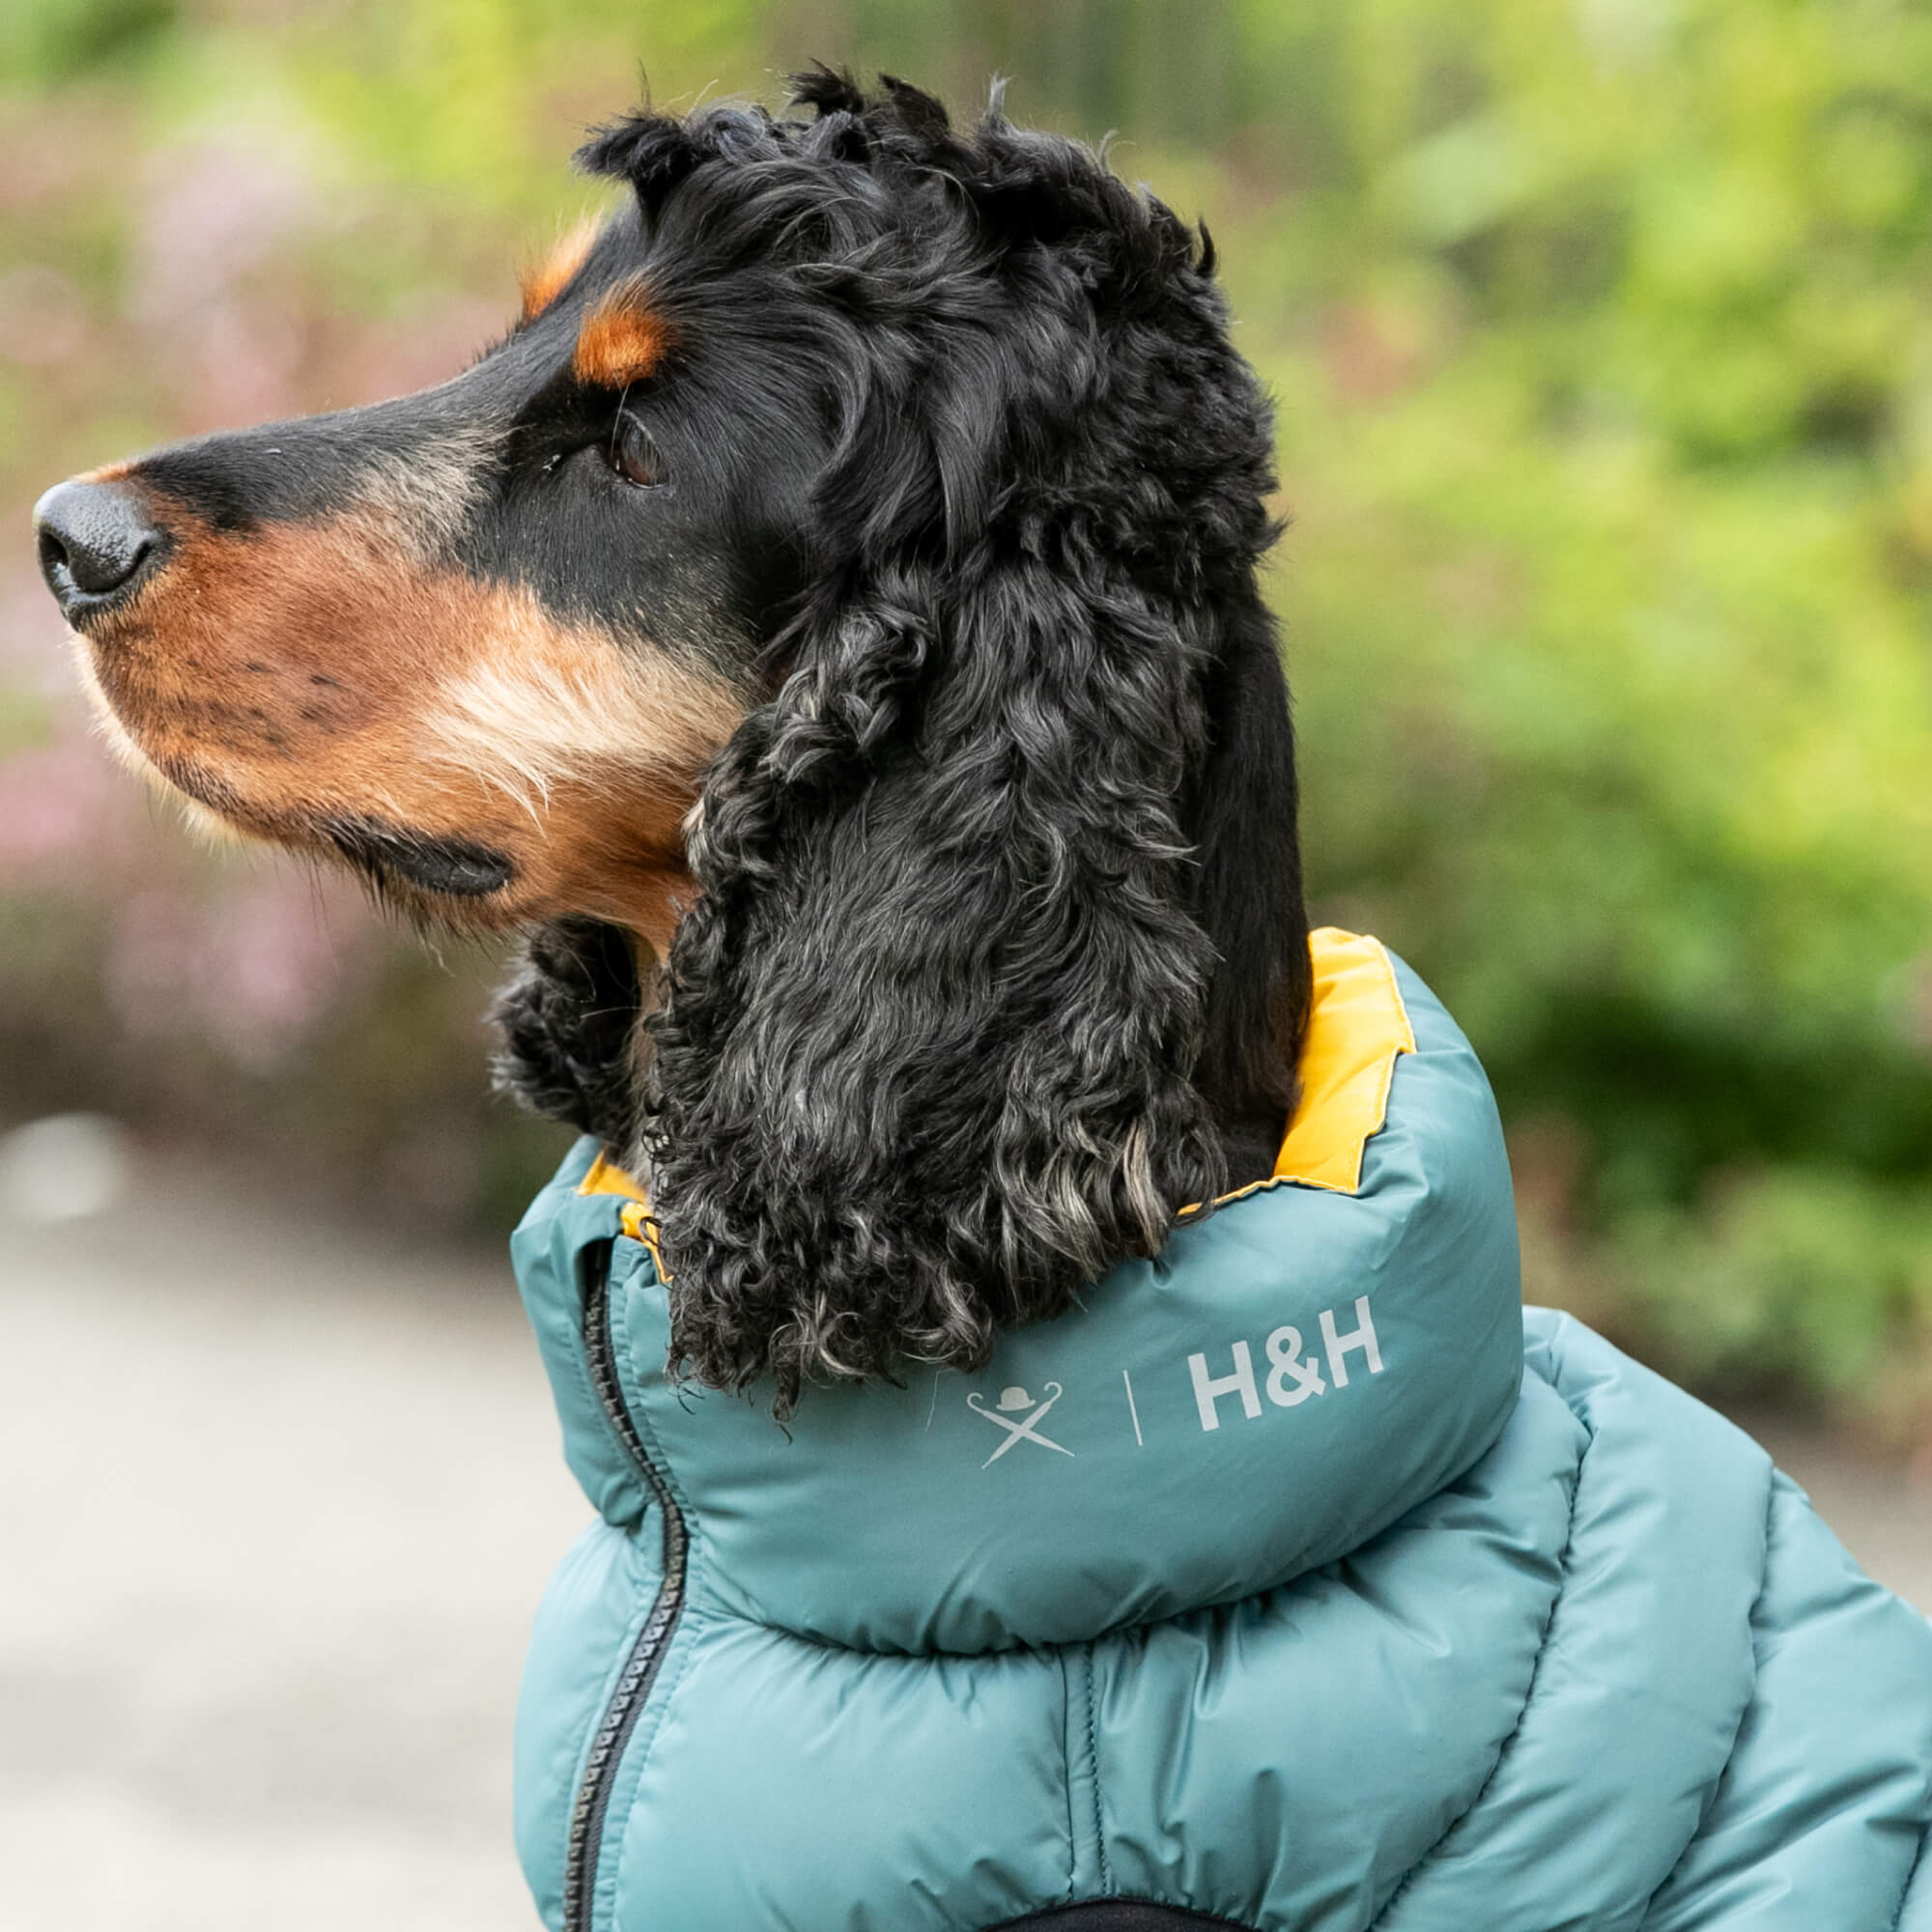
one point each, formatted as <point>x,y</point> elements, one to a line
<point>842,581</point>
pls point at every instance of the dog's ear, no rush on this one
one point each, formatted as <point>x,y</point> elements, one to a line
<point>1242,820</point>
<point>924,1066</point>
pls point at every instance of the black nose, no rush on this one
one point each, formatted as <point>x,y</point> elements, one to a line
<point>96,543</point>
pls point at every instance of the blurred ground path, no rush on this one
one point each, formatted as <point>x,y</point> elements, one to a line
<point>283,1499</point>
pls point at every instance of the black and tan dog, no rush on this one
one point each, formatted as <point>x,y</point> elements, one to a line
<point>838,594</point>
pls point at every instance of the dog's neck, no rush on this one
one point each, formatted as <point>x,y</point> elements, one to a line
<point>1252,1140</point>
<point>571,1049</point>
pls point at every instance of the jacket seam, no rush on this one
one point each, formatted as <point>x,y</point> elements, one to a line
<point>1722,1779</point>
<point>1528,1696</point>
<point>1917,1859</point>
<point>1193,1913</point>
<point>1066,1757</point>
<point>1094,1763</point>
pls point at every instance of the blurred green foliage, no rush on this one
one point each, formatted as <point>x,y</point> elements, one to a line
<point>1602,333</point>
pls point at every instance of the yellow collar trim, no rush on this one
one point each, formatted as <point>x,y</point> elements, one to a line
<point>604,1177</point>
<point>1357,1028</point>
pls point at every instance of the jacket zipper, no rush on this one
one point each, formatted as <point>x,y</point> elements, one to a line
<point>641,1667</point>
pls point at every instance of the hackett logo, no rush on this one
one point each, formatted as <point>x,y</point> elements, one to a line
<point>1019,1427</point>
<point>1291,1377</point>
<point>1294,1374</point>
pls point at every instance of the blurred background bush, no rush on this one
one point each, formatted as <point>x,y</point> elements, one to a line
<point>1601,333</point>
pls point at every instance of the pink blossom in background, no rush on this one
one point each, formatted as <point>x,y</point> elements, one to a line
<point>60,806</point>
<point>33,168</point>
<point>150,952</point>
<point>212,214</point>
<point>43,317</point>
<point>33,638</point>
<point>273,961</point>
<point>431,343</point>
<point>253,969</point>
<point>243,366</point>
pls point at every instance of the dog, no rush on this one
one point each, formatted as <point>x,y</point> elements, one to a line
<point>827,630</point>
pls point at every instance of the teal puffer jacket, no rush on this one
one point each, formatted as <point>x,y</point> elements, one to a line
<point>1301,1580</point>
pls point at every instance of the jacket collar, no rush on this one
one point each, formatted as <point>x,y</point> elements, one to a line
<point>1300,1367</point>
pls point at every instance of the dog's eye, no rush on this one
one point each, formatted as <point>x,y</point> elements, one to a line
<point>636,458</point>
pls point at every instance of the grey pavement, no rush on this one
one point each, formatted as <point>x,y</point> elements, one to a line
<point>282,1499</point>
<point>278,1499</point>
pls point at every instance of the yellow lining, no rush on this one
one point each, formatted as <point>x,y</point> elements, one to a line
<point>606,1177</point>
<point>1358,1027</point>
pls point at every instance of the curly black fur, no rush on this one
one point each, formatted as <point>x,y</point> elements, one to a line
<point>999,936</point>
<point>568,1017</point>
